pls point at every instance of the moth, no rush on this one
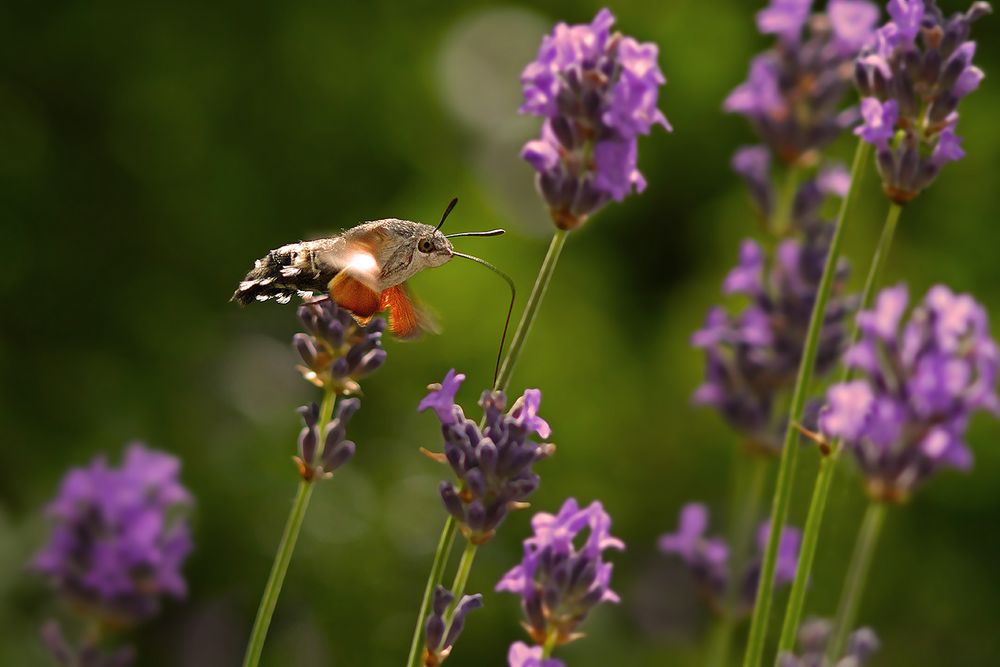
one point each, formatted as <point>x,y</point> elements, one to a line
<point>363,269</point>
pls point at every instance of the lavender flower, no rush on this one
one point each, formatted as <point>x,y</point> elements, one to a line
<point>925,378</point>
<point>336,350</point>
<point>708,557</point>
<point>493,464</point>
<point>521,655</point>
<point>751,358</point>
<point>597,91</point>
<point>119,538</point>
<point>813,637</point>
<point>560,581</point>
<point>336,451</point>
<point>912,78</point>
<point>440,635</point>
<point>88,655</point>
<point>794,91</point>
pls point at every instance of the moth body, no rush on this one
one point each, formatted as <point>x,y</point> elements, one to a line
<point>364,269</point>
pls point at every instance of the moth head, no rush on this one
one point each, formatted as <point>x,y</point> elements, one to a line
<point>433,249</point>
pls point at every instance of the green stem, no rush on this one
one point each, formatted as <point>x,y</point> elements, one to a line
<point>531,308</point>
<point>828,464</point>
<point>462,574</point>
<point>746,507</point>
<point>503,379</point>
<point>550,643</point>
<point>286,548</point>
<point>857,575</point>
<point>437,573</point>
<point>782,218</point>
<point>790,450</point>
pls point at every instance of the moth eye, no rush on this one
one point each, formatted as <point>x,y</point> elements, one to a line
<point>425,245</point>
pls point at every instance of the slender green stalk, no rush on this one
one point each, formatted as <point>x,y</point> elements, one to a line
<point>286,548</point>
<point>782,218</point>
<point>857,575</point>
<point>746,507</point>
<point>462,574</point>
<point>550,643</point>
<point>437,572</point>
<point>531,308</point>
<point>503,379</point>
<point>789,452</point>
<point>828,464</point>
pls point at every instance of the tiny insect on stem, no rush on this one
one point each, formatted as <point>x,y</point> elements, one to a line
<point>510,309</point>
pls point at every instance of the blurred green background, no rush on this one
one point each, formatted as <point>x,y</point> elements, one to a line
<point>150,151</point>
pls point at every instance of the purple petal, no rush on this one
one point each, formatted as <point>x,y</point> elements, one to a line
<point>441,399</point>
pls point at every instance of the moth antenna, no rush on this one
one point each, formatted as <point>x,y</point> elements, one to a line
<point>447,212</point>
<point>492,232</point>
<point>510,310</point>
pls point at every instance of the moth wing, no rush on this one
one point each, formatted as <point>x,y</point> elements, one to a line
<point>408,317</point>
<point>355,296</point>
<point>355,253</point>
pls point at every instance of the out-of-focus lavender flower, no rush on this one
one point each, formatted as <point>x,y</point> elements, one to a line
<point>753,357</point>
<point>315,462</point>
<point>911,78</point>
<point>119,537</point>
<point>794,91</point>
<point>441,633</point>
<point>925,378</point>
<point>787,563</point>
<point>522,655</point>
<point>597,91</point>
<point>753,163</point>
<point>337,351</point>
<point>493,465</point>
<point>708,558</point>
<point>88,655</point>
<point>814,634</point>
<point>560,580</point>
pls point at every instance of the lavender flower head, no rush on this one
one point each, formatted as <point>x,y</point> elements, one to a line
<point>522,655</point>
<point>924,378</point>
<point>911,79</point>
<point>708,558</point>
<point>119,537</point>
<point>441,633</point>
<point>814,634</point>
<point>559,579</point>
<point>597,91</point>
<point>794,91</point>
<point>493,464</point>
<point>315,462</point>
<point>754,356</point>
<point>336,350</point>
<point>88,655</point>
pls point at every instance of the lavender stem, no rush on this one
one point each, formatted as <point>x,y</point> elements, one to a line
<point>444,548</point>
<point>462,574</point>
<point>828,464</point>
<point>503,379</point>
<point>782,217</point>
<point>550,644</point>
<point>531,308</point>
<point>789,452</point>
<point>286,547</point>
<point>857,575</point>
<point>746,505</point>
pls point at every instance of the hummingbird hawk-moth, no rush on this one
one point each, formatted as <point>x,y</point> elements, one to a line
<point>363,269</point>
